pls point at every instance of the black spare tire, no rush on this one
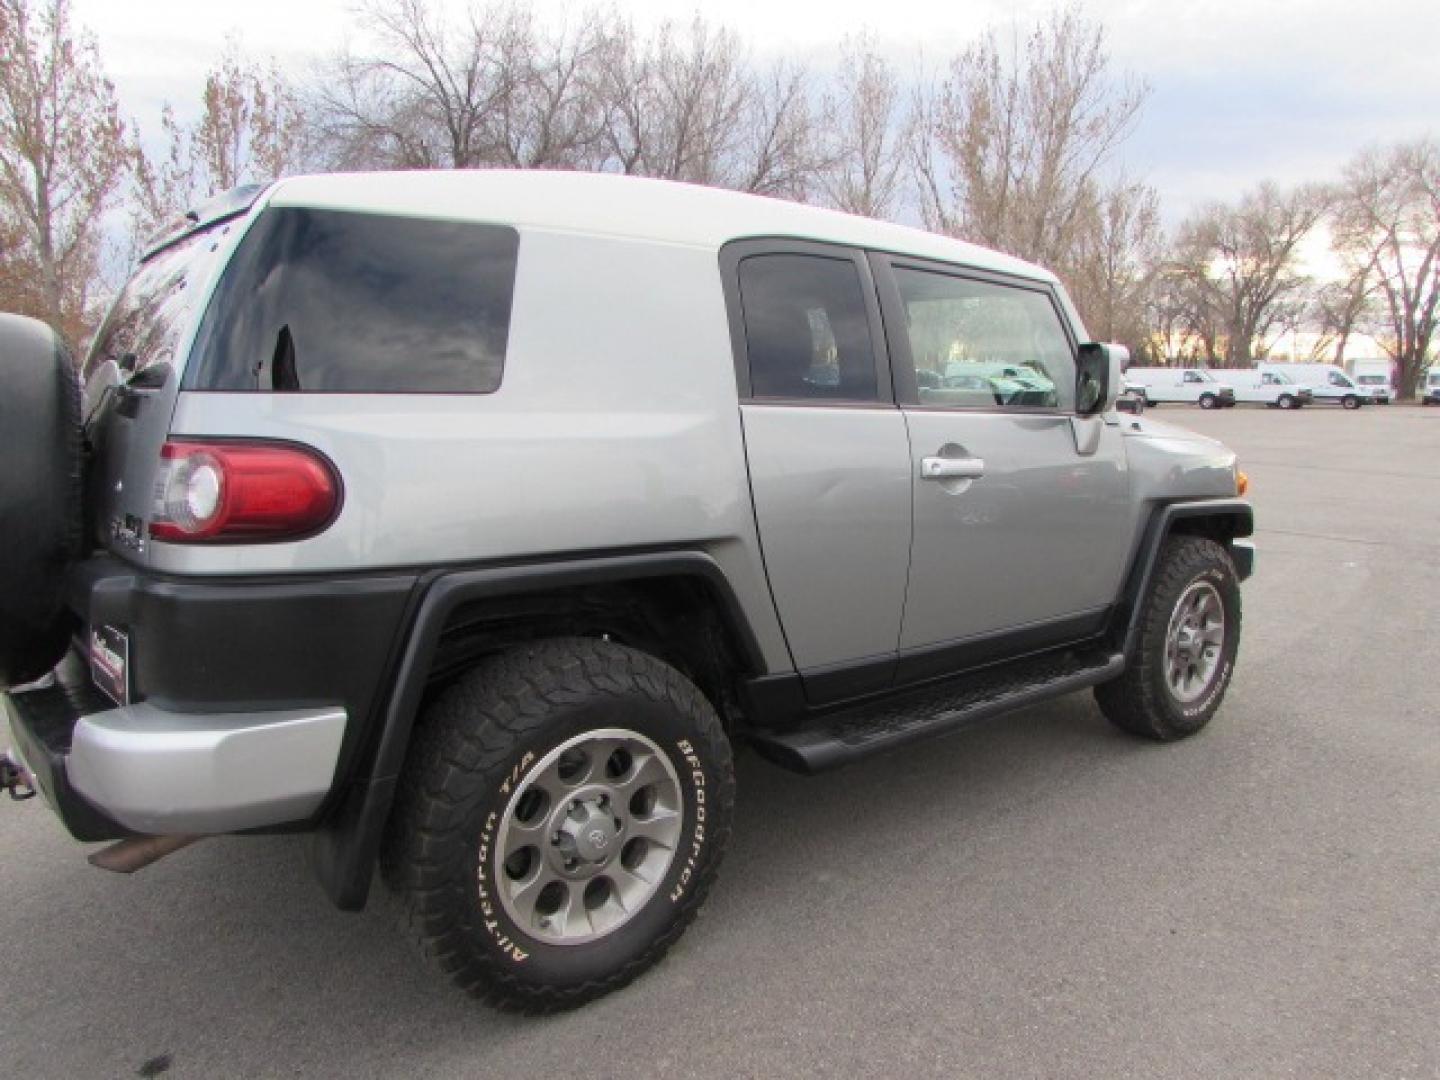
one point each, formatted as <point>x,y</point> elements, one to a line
<point>40,495</point>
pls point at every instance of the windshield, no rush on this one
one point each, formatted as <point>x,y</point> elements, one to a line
<point>144,325</point>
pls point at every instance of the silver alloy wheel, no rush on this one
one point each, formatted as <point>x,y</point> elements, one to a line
<point>1194,642</point>
<point>586,840</point>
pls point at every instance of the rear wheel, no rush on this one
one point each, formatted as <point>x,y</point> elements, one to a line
<point>1184,655</point>
<point>40,500</point>
<point>560,820</point>
<point>1286,401</point>
<point>1208,401</point>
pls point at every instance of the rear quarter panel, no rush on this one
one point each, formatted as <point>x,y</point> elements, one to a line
<point>616,425</point>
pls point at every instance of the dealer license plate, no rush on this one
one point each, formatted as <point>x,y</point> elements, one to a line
<point>110,662</point>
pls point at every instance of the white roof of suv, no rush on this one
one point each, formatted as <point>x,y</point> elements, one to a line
<point>622,206</point>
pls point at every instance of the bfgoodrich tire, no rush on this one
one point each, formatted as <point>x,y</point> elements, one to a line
<point>560,820</point>
<point>1185,652</point>
<point>40,501</point>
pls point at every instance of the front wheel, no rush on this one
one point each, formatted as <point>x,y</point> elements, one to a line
<point>1350,401</point>
<point>1184,655</point>
<point>1286,401</point>
<point>1208,401</point>
<point>561,818</point>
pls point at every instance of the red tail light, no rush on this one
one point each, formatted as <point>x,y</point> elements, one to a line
<point>242,492</point>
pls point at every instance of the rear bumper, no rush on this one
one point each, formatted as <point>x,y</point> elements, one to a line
<point>109,772</point>
<point>248,703</point>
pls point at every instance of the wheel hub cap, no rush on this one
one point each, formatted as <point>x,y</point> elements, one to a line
<point>1194,642</point>
<point>587,831</point>
<point>588,836</point>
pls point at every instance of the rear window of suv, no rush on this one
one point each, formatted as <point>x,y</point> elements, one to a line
<point>339,302</point>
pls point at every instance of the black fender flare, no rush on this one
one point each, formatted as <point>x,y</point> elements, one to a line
<point>345,847</point>
<point>1234,520</point>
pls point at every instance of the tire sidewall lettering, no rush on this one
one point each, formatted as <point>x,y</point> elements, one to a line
<point>694,844</point>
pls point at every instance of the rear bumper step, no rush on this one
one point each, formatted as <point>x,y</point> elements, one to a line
<point>842,737</point>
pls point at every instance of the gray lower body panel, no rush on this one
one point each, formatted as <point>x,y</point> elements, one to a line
<point>155,771</point>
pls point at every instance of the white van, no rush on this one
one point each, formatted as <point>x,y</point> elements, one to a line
<point>1374,376</point>
<point>1430,387</point>
<point>1274,389</point>
<point>1327,382</point>
<point>1185,386</point>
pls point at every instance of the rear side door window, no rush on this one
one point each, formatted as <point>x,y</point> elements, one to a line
<point>807,329</point>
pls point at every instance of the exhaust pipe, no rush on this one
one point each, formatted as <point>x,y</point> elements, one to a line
<point>138,852</point>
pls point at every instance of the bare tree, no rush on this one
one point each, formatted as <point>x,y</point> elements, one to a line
<point>776,152</point>
<point>62,156</point>
<point>251,129</point>
<point>1117,253</point>
<point>1178,333</point>
<point>1341,307</point>
<point>677,100</point>
<point>1180,313</point>
<point>428,96</point>
<point>554,116</point>
<point>1388,217</point>
<point>1241,264</point>
<point>18,278</point>
<point>1010,148</point>
<point>864,156</point>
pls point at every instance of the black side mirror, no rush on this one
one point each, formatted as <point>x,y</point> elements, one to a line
<point>1092,379</point>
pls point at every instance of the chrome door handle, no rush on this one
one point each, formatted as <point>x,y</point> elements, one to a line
<point>941,468</point>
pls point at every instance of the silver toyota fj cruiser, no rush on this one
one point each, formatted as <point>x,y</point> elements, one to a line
<point>464,520</point>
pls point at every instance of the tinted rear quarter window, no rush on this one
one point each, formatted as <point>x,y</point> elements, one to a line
<point>340,302</point>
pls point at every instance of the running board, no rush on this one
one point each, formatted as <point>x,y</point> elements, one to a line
<point>842,737</point>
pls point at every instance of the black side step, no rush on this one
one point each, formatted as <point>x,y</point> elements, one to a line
<point>841,737</point>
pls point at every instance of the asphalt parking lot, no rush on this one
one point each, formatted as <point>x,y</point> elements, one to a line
<point>1037,896</point>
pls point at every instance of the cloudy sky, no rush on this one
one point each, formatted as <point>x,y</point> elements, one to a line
<point>1241,90</point>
